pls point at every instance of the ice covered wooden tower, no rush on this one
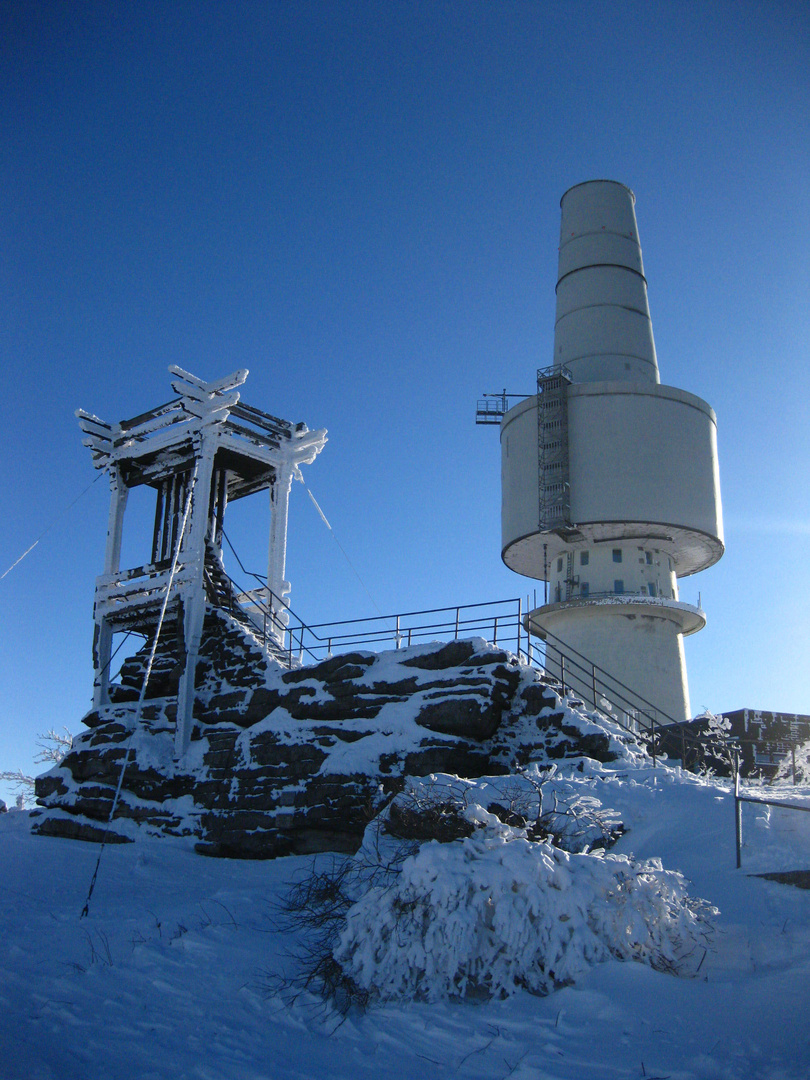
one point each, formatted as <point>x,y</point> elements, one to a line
<point>198,452</point>
<point>610,481</point>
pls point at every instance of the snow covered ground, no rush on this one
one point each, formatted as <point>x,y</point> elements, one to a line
<point>171,974</point>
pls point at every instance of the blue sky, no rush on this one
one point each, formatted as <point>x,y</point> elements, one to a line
<point>359,202</point>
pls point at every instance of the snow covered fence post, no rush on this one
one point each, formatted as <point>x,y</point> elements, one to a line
<point>737,810</point>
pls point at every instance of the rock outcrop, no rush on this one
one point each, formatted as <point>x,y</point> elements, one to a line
<point>293,761</point>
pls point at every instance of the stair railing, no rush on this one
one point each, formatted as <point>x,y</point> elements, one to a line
<point>499,621</point>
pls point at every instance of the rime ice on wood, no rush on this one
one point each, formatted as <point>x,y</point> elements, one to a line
<point>198,452</point>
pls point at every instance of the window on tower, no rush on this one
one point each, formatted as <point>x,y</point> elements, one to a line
<point>617,554</point>
<point>618,586</point>
<point>583,558</point>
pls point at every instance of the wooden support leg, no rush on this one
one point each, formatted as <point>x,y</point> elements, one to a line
<point>102,652</point>
<point>193,620</point>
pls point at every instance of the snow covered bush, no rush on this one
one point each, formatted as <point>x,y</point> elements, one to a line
<point>53,745</point>
<point>794,767</point>
<point>492,905</point>
<point>495,914</point>
<point>717,747</point>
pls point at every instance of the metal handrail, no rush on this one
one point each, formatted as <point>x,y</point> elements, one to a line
<point>317,640</point>
<point>504,618</point>
<point>654,720</point>
<point>740,799</point>
<point>424,611</point>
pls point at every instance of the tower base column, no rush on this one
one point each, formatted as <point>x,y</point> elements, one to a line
<point>614,655</point>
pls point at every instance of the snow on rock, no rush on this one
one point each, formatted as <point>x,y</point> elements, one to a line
<point>295,761</point>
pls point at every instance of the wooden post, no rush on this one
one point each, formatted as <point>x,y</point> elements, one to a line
<point>102,653</point>
<point>218,505</point>
<point>738,829</point>
<point>278,587</point>
<point>118,502</point>
<point>192,553</point>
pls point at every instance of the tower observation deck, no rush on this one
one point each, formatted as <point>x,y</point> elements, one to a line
<point>610,480</point>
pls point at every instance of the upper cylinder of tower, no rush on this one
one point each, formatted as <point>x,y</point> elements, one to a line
<point>604,454</point>
<point>603,331</point>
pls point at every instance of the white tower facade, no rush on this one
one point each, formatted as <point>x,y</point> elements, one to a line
<point>610,480</point>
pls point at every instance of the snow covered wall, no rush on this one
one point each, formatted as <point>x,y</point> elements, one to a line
<point>297,761</point>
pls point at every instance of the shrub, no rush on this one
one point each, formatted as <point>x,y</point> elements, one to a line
<point>471,888</point>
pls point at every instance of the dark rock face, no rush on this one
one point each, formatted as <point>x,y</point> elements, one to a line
<point>298,761</point>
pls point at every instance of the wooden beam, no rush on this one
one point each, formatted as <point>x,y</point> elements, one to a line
<point>227,382</point>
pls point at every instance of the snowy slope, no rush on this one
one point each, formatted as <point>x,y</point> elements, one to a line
<point>170,974</point>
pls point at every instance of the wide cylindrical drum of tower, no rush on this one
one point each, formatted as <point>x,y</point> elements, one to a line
<point>645,458</point>
<point>641,463</point>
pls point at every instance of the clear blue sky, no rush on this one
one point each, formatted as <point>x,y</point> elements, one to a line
<point>359,202</point>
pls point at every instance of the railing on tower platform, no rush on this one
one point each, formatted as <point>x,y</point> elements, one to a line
<point>491,408</point>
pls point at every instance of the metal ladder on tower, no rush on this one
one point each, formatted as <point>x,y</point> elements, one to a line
<point>552,448</point>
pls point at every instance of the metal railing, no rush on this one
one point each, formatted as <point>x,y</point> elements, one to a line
<point>501,622</point>
<point>740,799</point>
<point>663,734</point>
<point>498,621</point>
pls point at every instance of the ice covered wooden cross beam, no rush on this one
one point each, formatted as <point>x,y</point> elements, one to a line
<point>198,452</point>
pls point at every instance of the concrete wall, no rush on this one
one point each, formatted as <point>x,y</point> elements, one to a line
<point>642,650</point>
<point>520,497</point>
<point>603,329</point>
<point>613,568</point>
<point>642,465</point>
<point>646,454</point>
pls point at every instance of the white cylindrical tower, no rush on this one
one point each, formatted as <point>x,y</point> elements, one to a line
<point>610,481</point>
